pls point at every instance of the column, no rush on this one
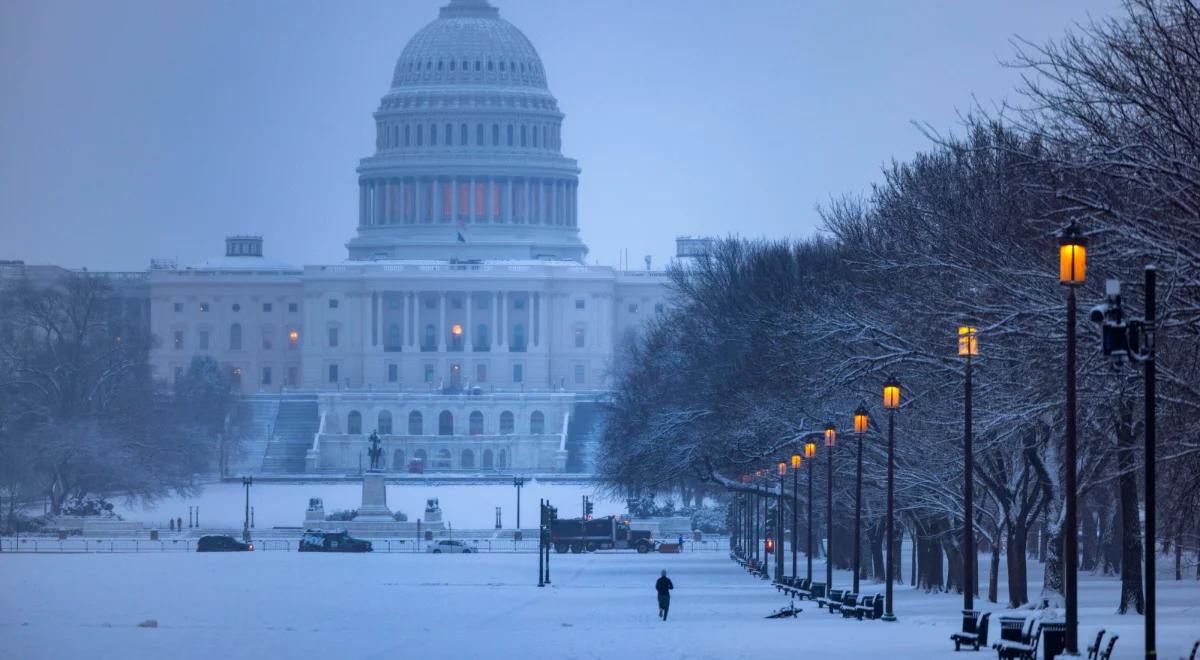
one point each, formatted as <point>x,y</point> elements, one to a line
<point>494,340</point>
<point>453,199</point>
<point>543,322</point>
<point>362,203</point>
<point>441,330</point>
<point>374,324</point>
<point>556,215</point>
<point>502,328</point>
<point>413,304</point>
<point>380,328</point>
<point>378,215</point>
<point>509,196</point>
<point>468,331</point>
<point>489,213</point>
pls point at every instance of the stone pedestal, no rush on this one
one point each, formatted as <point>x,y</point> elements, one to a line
<point>374,499</point>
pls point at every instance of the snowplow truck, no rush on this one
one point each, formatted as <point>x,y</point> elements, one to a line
<point>608,533</point>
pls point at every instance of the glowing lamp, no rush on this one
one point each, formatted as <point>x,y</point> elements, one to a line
<point>456,330</point>
<point>891,394</point>
<point>830,435</point>
<point>796,461</point>
<point>861,419</point>
<point>782,468</point>
<point>968,343</point>
<point>1072,255</point>
<point>770,545</point>
<point>810,449</point>
<point>293,337</point>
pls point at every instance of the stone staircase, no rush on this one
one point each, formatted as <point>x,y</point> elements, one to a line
<point>254,421</point>
<point>295,424</point>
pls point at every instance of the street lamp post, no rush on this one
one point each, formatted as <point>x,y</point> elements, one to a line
<point>968,347</point>
<point>891,401</point>
<point>247,482</point>
<point>518,482</point>
<point>830,441</point>
<point>810,451</point>
<point>796,461</point>
<point>1072,256</point>
<point>779,525</point>
<point>860,427</point>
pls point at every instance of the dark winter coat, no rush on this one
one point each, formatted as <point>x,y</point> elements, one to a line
<point>664,586</point>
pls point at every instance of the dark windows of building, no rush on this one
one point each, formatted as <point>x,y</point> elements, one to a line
<point>439,65</point>
<point>524,130</point>
<point>416,423</point>
<point>333,338</point>
<point>449,135</point>
<point>464,136</point>
<point>429,373</point>
<point>468,460</point>
<point>518,337</point>
<point>268,340</point>
<point>178,342</point>
<point>442,459</point>
<point>266,375</point>
<point>633,308</point>
<point>204,335</point>
<point>398,460</point>
<point>488,461</point>
<point>203,307</point>
<point>293,307</point>
<point>393,373</point>
<point>333,303</point>
<point>518,373</point>
<point>430,342</point>
<point>495,135</point>
<point>579,338</point>
<point>478,65</point>
<point>333,373</point>
<point>393,338</point>
<point>475,423</point>
<point>479,135</point>
<point>535,137</point>
<point>384,423</point>
<point>537,423</point>
<point>433,135</point>
<point>445,423</point>
<point>237,307</point>
<point>482,341</point>
<point>579,303</point>
<point>519,303</point>
<point>235,337</point>
<point>510,135</point>
<point>407,135</point>
<point>420,135</point>
<point>354,423</point>
<point>580,374</point>
<point>267,307</point>
<point>179,307</point>
<point>506,423</point>
<point>293,377</point>
<point>502,461</point>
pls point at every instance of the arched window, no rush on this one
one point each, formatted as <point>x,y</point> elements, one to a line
<point>488,461</point>
<point>479,135</point>
<point>416,423</point>
<point>537,423</point>
<point>502,462</point>
<point>420,135</point>
<point>442,462</point>
<point>433,135</point>
<point>468,460</point>
<point>495,135</point>
<point>475,423</point>
<point>510,135</point>
<point>449,135</point>
<point>407,135</point>
<point>385,423</point>
<point>354,423</point>
<point>464,136</point>
<point>235,337</point>
<point>420,455</point>
<point>524,129</point>
<point>398,461</point>
<point>430,337</point>
<point>506,422</point>
<point>535,137</point>
<point>393,336</point>
<point>518,337</point>
<point>446,423</point>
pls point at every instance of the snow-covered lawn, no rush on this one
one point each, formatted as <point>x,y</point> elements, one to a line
<point>290,605</point>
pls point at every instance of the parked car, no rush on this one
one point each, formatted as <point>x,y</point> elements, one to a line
<point>222,544</point>
<point>448,546</point>
<point>315,540</point>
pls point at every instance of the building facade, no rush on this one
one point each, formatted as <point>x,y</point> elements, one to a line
<point>464,327</point>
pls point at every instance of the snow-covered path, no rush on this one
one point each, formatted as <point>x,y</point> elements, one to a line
<point>289,605</point>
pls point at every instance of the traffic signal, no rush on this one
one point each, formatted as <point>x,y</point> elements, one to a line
<point>587,509</point>
<point>551,513</point>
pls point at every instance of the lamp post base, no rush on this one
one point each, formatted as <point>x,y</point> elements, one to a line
<point>888,617</point>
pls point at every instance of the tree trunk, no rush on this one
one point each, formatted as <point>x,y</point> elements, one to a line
<point>1131,533</point>
<point>1179,558</point>
<point>994,569</point>
<point>1052,580</point>
<point>1111,537</point>
<point>1090,544</point>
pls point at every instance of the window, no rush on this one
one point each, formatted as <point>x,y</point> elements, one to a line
<point>658,308</point>
<point>430,337</point>
<point>266,307</point>
<point>481,373</point>
<point>633,308</point>
<point>430,303</point>
<point>510,135</point>
<point>398,460</point>
<point>475,423</point>
<point>518,337</point>
<point>502,462</point>
<point>580,374</point>
<point>393,373</point>
<point>487,459</point>
<point>235,337</point>
<point>579,338</point>
<point>481,336</point>
<point>433,135</point>
<point>384,425</point>
<point>407,135</point>
<point>354,423</point>
<point>333,373</point>
<point>179,307</point>
<point>519,303</point>
<point>203,307</point>
<point>463,136</point>
<point>333,303</point>
<point>442,460</point>
<point>446,423</point>
<point>266,375</point>
<point>333,337</point>
<point>237,307</point>
<point>293,307</point>
<point>479,135</point>
<point>495,135</point>
<point>268,340</point>
<point>468,459</point>
<point>537,423</point>
<point>393,337</point>
<point>420,135</point>
<point>429,373</point>
<point>204,340</point>
<point>506,423</point>
<point>179,340</point>
<point>416,423</point>
<point>523,135</point>
<point>449,135</point>
<point>518,373</point>
<point>579,303</point>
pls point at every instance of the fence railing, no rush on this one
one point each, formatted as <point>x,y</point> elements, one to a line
<point>35,544</point>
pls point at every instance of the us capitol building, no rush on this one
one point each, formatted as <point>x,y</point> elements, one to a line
<point>464,327</point>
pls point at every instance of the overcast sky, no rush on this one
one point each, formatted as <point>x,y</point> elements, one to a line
<point>135,129</point>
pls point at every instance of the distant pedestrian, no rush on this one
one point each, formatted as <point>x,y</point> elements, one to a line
<point>172,521</point>
<point>179,524</point>
<point>681,542</point>
<point>663,586</point>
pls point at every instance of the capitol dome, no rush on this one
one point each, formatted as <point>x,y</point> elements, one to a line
<point>468,161</point>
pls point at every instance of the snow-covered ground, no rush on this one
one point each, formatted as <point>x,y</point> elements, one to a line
<point>290,605</point>
<point>465,506</point>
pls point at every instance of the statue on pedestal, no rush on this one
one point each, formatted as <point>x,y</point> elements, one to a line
<point>375,452</point>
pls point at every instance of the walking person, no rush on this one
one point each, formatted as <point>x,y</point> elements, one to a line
<point>663,586</point>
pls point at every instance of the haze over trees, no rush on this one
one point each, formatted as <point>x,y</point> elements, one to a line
<point>770,340</point>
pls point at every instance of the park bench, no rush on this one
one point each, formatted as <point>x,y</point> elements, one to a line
<point>850,605</point>
<point>1195,647</point>
<point>797,588</point>
<point>835,596</point>
<point>816,590</point>
<point>870,607</point>
<point>1112,641</point>
<point>975,631</point>
<point>1018,638</point>
<point>1094,648</point>
<point>848,600</point>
